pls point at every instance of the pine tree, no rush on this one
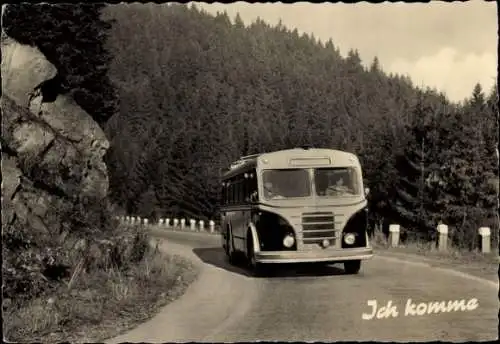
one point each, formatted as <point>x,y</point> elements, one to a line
<point>72,38</point>
<point>375,65</point>
<point>415,200</point>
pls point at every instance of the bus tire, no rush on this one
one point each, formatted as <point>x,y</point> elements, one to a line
<point>230,253</point>
<point>226,241</point>
<point>352,267</point>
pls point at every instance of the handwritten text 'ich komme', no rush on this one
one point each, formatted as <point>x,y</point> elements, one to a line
<point>414,309</point>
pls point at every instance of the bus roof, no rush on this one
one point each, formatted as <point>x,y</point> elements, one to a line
<point>249,162</point>
<point>245,163</point>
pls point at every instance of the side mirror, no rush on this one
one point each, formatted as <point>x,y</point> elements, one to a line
<point>367,191</point>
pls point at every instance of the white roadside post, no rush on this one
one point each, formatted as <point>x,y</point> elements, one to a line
<point>167,222</point>
<point>212,226</point>
<point>443,237</point>
<point>192,224</point>
<point>139,220</point>
<point>127,219</point>
<point>132,220</point>
<point>183,223</point>
<point>394,235</point>
<point>176,223</point>
<point>202,225</point>
<point>160,222</point>
<point>145,222</point>
<point>485,233</point>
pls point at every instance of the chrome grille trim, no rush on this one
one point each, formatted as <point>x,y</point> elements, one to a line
<point>318,226</point>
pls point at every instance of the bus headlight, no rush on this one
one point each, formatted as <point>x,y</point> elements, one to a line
<point>288,241</point>
<point>349,238</point>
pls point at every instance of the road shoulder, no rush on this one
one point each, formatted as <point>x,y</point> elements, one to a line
<point>486,268</point>
<point>212,302</point>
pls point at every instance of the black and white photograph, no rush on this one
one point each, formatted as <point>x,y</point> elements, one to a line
<point>239,172</point>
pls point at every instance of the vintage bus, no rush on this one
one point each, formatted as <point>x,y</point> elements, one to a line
<point>295,206</point>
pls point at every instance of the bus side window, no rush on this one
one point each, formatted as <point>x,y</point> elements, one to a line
<point>223,194</point>
<point>252,186</point>
<point>241,189</point>
<point>230,193</point>
<point>246,188</point>
<point>237,190</point>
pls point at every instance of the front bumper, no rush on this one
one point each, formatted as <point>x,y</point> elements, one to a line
<point>314,256</point>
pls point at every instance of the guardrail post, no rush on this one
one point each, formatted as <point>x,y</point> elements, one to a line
<point>167,222</point>
<point>394,235</point>
<point>485,233</point>
<point>160,222</point>
<point>132,220</point>
<point>212,226</point>
<point>183,223</point>
<point>202,225</point>
<point>443,237</point>
<point>127,219</point>
<point>145,222</point>
<point>176,223</point>
<point>192,224</point>
<point>139,220</point>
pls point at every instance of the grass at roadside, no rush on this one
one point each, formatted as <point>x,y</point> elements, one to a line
<point>100,304</point>
<point>472,262</point>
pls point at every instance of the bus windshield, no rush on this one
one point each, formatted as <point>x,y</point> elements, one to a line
<point>286,183</point>
<point>337,181</point>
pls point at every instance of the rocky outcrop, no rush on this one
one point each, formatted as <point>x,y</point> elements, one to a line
<point>55,150</point>
<point>52,150</point>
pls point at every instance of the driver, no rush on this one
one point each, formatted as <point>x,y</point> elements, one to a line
<point>340,186</point>
<point>337,187</point>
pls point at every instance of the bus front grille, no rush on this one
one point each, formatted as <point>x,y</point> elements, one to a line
<point>317,227</point>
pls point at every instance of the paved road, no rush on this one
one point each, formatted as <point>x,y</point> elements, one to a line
<point>297,304</point>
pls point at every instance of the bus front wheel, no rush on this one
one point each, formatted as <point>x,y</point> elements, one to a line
<point>256,268</point>
<point>352,267</point>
